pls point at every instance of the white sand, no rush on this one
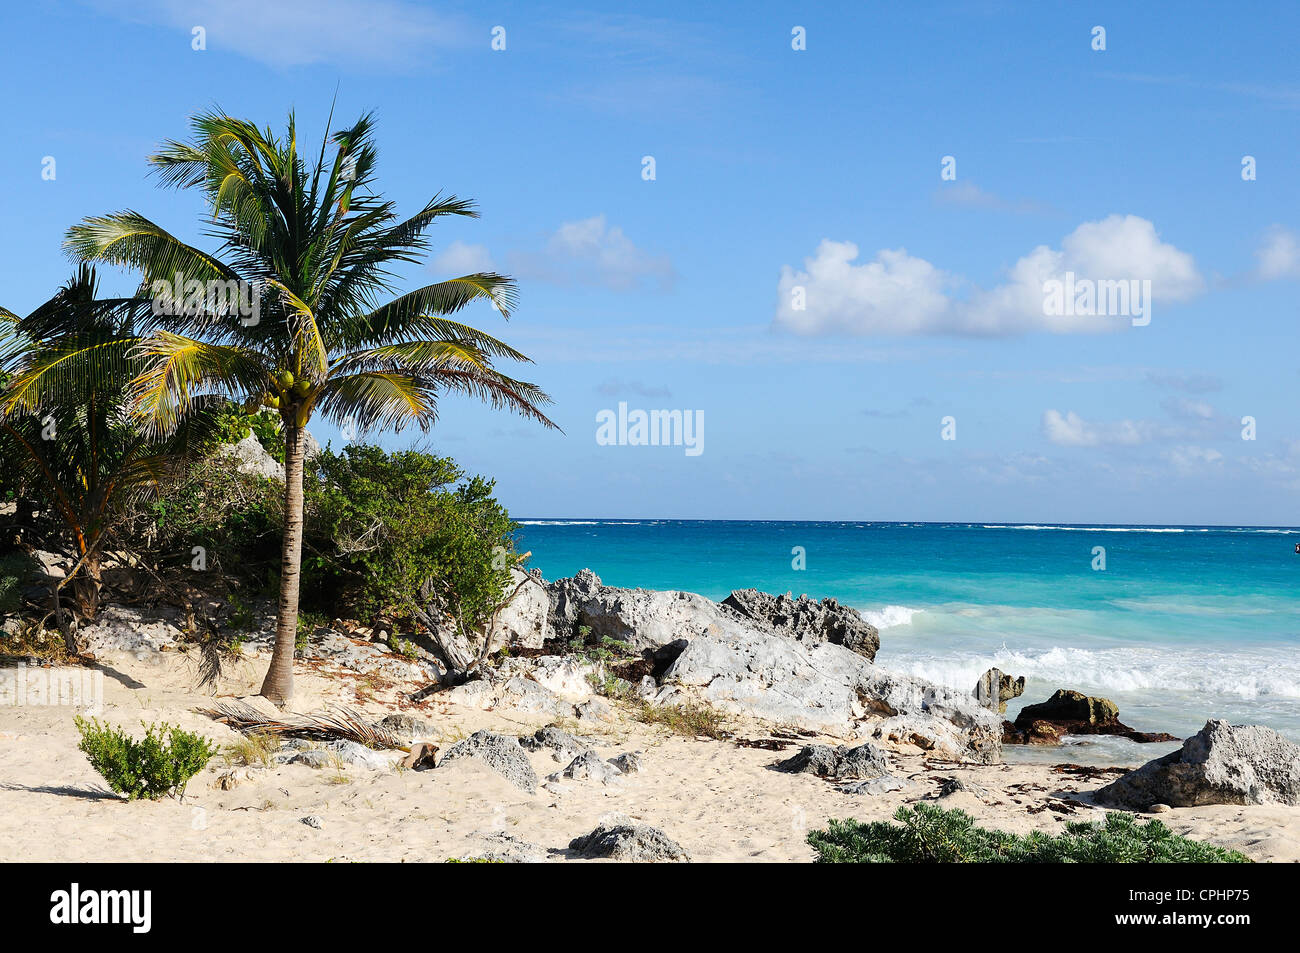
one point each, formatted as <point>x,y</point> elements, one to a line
<point>719,801</point>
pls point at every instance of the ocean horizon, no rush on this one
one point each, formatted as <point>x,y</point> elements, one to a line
<point>1174,623</point>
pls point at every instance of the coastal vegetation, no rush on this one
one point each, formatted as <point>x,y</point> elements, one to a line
<point>113,406</point>
<point>160,763</point>
<point>928,834</point>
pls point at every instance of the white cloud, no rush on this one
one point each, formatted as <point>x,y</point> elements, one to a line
<point>1193,459</point>
<point>966,194</point>
<point>593,252</point>
<point>897,293</point>
<point>1278,255</point>
<point>458,259</point>
<point>1188,409</point>
<point>378,33</point>
<point>1071,430</point>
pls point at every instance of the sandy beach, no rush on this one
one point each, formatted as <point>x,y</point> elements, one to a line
<point>721,801</point>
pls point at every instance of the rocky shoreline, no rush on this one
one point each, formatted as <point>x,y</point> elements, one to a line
<point>570,710</point>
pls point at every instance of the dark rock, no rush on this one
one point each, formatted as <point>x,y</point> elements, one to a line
<point>629,762</point>
<point>624,839</point>
<point>501,753</point>
<point>806,620</point>
<point>1088,714</point>
<point>1220,764</point>
<point>995,688</point>
<point>1071,713</point>
<point>1035,733</point>
<point>406,727</point>
<point>864,761</point>
<point>563,744</point>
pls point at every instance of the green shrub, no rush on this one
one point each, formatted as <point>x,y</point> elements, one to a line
<point>160,763</point>
<point>237,518</point>
<point>601,649</point>
<point>233,425</point>
<point>378,525</point>
<point>931,835</point>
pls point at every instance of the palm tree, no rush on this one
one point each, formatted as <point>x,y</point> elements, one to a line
<point>318,249</point>
<point>64,421</point>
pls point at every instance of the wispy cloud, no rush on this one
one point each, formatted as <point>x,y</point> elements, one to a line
<point>1070,430</point>
<point>966,194</point>
<point>1284,96</point>
<point>593,252</point>
<point>397,35</point>
<point>614,387</point>
<point>1278,255</point>
<point>460,258</point>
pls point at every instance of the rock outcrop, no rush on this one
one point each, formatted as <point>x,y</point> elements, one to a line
<point>828,688</point>
<point>806,620</point>
<point>251,458</point>
<point>995,688</point>
<point>1220,764</point>
<point>777,659</point>
<point>621,838</point>
<point>864,761</point>
<point>644,619</point>
<point>1072,713</point>
<point>501,753</point>
<point>525,621</point>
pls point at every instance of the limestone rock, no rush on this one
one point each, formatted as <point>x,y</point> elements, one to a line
<point>864,761</point>
<point>827,687</point>
<point>251,458</point>
<point>995,688</point>
<point>1220,764</point>
<point>642,618</point>
<point>502,848</point>
<point>501,753</point>
<point>562,744</point>
<point>588,766</point>
<point>806,620</point>
<point>406,727</point>
<point>526,620</point>
<point>335,753</point>
<point>629,762</point>
<point>621,838</point>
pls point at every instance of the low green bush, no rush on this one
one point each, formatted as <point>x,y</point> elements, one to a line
<point>380,525</point>
<point>931,835</point>
<point>160,763</point>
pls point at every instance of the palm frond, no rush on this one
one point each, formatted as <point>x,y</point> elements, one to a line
<point>179,368</point>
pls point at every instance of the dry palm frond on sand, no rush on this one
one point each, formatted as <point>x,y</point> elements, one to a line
<point>328,723</point>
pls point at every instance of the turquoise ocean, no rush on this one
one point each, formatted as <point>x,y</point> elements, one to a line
<point>1182,624</point>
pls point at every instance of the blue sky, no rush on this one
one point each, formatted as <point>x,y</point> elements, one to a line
<point>774,169</point>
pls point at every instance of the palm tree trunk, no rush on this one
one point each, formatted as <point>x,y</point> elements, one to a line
<point>278,686</point>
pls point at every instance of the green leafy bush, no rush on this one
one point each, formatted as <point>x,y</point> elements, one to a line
<point>235,517</point>
<point>160,763</point>
<point>931,835</point>
<point>234,425</point>
<point>380,525</point>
